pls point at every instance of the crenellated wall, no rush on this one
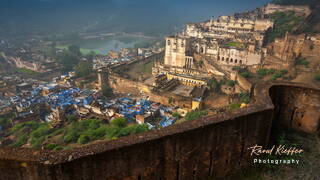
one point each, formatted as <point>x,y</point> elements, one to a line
<point>209,147</point>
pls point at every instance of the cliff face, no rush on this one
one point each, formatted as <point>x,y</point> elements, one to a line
<point>209,147</point>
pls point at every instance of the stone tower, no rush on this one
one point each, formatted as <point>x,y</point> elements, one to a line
<point>176,50</point>
<point>102,77</point>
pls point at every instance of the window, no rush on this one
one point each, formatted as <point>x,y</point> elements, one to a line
<point>240,61</point>
<point>236,61</point>
<point>222,58</point>
<point>182,44</point>
<point>169,42</point>
<point>231,60</point>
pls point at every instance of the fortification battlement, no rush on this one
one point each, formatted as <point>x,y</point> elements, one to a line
<point>207,147</point>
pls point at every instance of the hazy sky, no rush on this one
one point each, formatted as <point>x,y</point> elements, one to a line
<point>72,14</point>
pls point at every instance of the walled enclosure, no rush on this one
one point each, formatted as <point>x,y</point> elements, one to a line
<point>211,146</point>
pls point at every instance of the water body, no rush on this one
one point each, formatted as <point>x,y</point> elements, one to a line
<point>103,45</point>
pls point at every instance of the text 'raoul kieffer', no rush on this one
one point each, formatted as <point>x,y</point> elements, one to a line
<point>275,150</point>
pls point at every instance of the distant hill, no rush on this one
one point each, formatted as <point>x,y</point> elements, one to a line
<point>151,17</point>
<point>311,3</point>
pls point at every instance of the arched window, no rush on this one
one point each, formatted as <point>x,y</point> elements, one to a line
<point>236,61</point>
<point>201,50</point>
<point>231,60</point>
<point>240,61</point>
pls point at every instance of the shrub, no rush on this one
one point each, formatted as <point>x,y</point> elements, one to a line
<point>37,142</point>
<point>231,83</point>
<point>30,125</point>
<point>83,69</point>
<point>51,146</point>
<point>311,47</point>
<point>71,136</point>
<point>119,122</point>
<point>99,132</point>
<point>214,85</point>
<point>302,61</point>
<point>271,71</point>
<point>83,139</point>
<point>21,141</point>
<point>176,115</point>
<point>107,91</point>
<point>195,115</point>
<point>58,148</point>
<point>71,118</point>
<point>4,123</point>
<point>234,106</point>
<point>245,97</point>
<point>262,72</point>
<point>112,132</point>
<point>245,74</point>
<point>43,130</point>
<point>317,77</point>
<point>276,76</point>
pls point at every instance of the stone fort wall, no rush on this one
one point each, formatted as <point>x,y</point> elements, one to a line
<point>123,85</point>
<point>209,147</point>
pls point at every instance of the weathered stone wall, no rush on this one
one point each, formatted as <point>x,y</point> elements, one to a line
<point>209,147</point>
<point>296,108</point>
<point>123,85</point>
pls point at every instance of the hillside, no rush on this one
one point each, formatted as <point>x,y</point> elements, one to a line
<point>311,3</point>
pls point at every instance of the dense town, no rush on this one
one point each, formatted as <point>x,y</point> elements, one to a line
<point>211,65</point>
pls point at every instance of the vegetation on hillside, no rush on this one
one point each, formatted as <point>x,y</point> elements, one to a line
<point>83,69</point>
<point>28,72</point>
<point>39,134</point>
<point>296,2</point>
<point>244,72</point>
<point>283,22</point>
<point>195,115</point>
<point>302,61</point>
<point>317,77</point>
<point>107,91</point>
<point>274,74</point>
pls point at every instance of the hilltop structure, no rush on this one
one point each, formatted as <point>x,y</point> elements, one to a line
<point>212,48</point>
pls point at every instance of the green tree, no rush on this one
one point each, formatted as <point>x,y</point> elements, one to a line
<point>107,91</point>
<point>83,69</point>
<point>214,85</point>
<point>68,60</point>
<point>74,50</point>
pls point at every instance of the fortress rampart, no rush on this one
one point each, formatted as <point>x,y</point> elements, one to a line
<point>207,147</point>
